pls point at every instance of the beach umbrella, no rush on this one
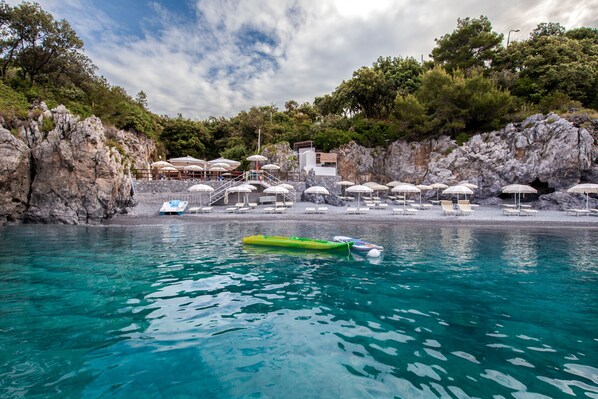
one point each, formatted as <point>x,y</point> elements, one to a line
<point>239,189</point>
<point>249,186</point>
<point>193,169</point>
<point>200,188</point>
<point>585,188</point>
<point>468,184</point>
<point>438,187</point>
<point>222,165</point>
<point>287,186</point>
<point>422,187</point>
<point>393,183</point>
<point>160,165</point>
<point>359,189</point>
<point>344,184</point>
<point>276,190</point>
<point>458,190</point>
<point>319,190</point>
<point>270,166</point>
<point>257,159</point>
<point>405,188</point>
<point>517,190</point>
<point>230,164</point>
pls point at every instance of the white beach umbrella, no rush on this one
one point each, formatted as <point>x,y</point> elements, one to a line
<point>585,188</point>
<point>287,186</point>
<point>517,190</point>
<point>169,169</point>
<point>222,165</point>
<point>468,184</point>
<point>359,189</point>
<point>317,190</point>
<point>200,188</point>
<point>193,168</point>
<point>270,166</point>
<point>394,183</point>
<point>276,190</point>
<point>438,187</point>
<point>344,184</point>
<point>239,189</point>
<point>249,186</point>
<point>257,159</point>
<point>422,187</point>
<point>405,188</point>
<point>160,164</point>
<point>459,190</point>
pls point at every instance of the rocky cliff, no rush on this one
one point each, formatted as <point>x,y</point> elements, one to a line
<point>545,151</point>
<point>70,174</point>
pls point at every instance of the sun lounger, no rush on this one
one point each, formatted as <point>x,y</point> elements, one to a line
<point>310,210</point>
<point>465,209</point>
<point>510,212</point>
<point>269,209</point>
<point>352,211</point>
<point>206,209</point>
<point>231,210</point>
<point>528,212</point>
<point>322,209</point>
<point>594,212</point>
<point>447,208</point>
<point>243,210</point>
<point>279,204</point>
<point>362,211</point>
<point>194,209</point>
<point>174,207</point>
<point>578,212</point>
<point>252,205</point>
<point>398,211</point>
<point>410,211</point>
<point>288,204</point>
<point>280,209</point>
<point>381,206</point>
<point>240,204</point>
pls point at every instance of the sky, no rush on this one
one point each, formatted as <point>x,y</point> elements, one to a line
<point>203,58</point>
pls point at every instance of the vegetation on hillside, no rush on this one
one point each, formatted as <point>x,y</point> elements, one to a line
<point>473,83</point>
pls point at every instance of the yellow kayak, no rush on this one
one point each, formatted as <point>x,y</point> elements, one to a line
<point>296,242</point>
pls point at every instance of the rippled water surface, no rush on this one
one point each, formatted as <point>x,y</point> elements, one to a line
<point>185,311</point>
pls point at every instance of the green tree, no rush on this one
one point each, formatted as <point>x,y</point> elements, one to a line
<point>471,44</point>
<point>185,137</point>
<point>364,92</point>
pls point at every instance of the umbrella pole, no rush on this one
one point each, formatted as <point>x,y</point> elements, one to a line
<point>587,201</point>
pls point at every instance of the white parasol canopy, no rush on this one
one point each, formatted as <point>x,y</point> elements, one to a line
<point>345,183</point>
<point>270,166</point>
<point>200,188</point>
<point>160,164</point>
<point>317,190</point>
<point>517,190</point>
<point>276,190</point>
<point>169,169</point>
<point>422,187</point>
<point>438,187</point>
<point>585,188</point>
<point>287,186</point>
<point>359,189</point>
<point>394,183</point>
<point>257,158</point>
<point>193,168</point>
<point>405,188</point>
<point>459,190</point>
<point>239,189</point>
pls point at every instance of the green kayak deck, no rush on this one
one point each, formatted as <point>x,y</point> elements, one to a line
<point>295,242</point>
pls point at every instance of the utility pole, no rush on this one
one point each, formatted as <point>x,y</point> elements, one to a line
<point>259,138</point>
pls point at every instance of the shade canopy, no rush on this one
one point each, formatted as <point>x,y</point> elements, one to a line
<point>345,183</point>
<point>424,187</point>
<point>188,160</point>
<point>317,190</point>
<point>231,164</point>
<point>359,188</point>
<point>239,189</point>
<point>276,190</point>
<point>287,186</point>
<point>438,186</point>
<point>394,183</point>
<point>193,168</point>
<point>169,169</point>
<point>458,189</point>
<point>200,188</point>
<point>585,188</point>
<point>257,158</point>
<point>270,166</point>
<point>519,189</point>
<point>160,164</point>
<point>220,165</point>
<point>405,188</point>
<point>217,169</point>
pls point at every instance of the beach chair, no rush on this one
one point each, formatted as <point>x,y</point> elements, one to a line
<point>269,209</point>
<point>279,204</point>
<point>322,209</point>
<point>280,209</point>
<point>465,208</point>
<point>410,211</point>
<point>381,206</point>
<point>577,212</point>
<point>206,209</point>
<point>310,210</point>
<point>594,212</point>
<point>194,209</point>
<point>363,211</point>
<point>528,212</point>
<point>351,211</point>
<point>252,205</point>
<point>288,204</point>
<point>240,204</point>
<point>398,211</point>
<point>231,209</point>
<point>510,212</point>
<point>243,210</point>
<point>447,208</point>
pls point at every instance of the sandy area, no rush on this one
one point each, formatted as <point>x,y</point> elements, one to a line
<point>147,213</point>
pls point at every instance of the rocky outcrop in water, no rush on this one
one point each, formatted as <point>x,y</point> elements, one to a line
<point>545,151</point>
<point>70,174</point>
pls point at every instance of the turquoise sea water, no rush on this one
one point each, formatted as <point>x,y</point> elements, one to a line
<point>185,311</point>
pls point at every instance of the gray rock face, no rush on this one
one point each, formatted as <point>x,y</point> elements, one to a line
<point>282,155</point>
<point>329,183</point>
<point>15,179</point>
<point>545,151</point>
<point>77,177</point>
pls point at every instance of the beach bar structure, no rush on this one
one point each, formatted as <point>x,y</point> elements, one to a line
<point>322,163</point>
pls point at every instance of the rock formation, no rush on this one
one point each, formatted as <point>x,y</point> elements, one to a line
<point>545,151</point>
<point>70,174</point>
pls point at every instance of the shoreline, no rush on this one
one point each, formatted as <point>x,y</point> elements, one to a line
<point>483,217</point>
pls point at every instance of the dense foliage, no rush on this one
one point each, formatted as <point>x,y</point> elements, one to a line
<point>472,83</point>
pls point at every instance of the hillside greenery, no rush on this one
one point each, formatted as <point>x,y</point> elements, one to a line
<point>471,84</point>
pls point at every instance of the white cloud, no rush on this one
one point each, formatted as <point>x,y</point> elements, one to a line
<point>231,54</point>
